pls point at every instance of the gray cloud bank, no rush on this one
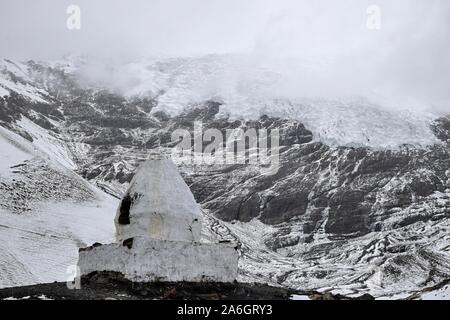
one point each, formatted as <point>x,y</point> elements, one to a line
<point>322,47</point>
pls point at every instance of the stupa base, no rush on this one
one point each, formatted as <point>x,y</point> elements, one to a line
<point>143,259</point>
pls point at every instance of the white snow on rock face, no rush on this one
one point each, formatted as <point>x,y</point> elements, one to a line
<point>12,153</point>
<point>148,260</point>
<point>3,92</point>
<point>10,72</point>
<point>43,246</point>
<point>47,145</point>
<point>159,205</point>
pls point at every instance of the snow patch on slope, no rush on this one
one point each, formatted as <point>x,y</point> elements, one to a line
<point>438,294</point>
<point>47,211</point>
<point>40,247</point>
<point>3,92</point>
<point>12,154</point>
<point>15,77</point>
<point>47,144</point>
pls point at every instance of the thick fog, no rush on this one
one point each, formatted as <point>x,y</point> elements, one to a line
<point>398,49</point>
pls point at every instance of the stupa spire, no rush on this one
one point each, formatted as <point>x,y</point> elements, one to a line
<point>158,204</point>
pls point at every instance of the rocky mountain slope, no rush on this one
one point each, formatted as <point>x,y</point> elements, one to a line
<point>360,203</point>
<point>46,212</point>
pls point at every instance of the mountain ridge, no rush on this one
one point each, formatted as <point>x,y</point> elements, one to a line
<point>351,218</point>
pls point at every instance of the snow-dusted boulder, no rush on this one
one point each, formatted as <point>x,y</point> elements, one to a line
<point>159,205</point>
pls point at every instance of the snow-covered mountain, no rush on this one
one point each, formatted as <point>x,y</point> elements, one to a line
<point>245,87</point>
<point>361,201</point>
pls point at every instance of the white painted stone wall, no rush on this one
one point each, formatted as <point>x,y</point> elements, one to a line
<point>162,205</point>
<point>150,260</point>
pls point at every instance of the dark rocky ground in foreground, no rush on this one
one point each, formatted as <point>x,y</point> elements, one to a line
<point>111,286</point>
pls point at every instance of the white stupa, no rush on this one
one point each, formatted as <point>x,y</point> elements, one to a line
<point>158,231</point>
<point>159,205</point>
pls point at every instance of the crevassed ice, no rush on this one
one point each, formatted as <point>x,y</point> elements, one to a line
<point>249,90</point>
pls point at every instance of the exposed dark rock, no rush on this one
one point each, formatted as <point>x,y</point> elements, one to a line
<point>125,205</point>
<point>441,128</point>
<point>100,286</point>
<point>128,243</point>
<point>110,285</point>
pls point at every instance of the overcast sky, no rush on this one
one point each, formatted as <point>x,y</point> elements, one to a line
<point>410,52</point>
